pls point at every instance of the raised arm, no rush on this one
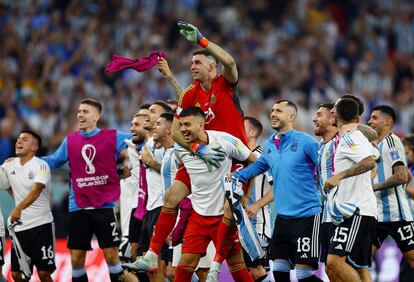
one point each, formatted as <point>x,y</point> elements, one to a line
<point>59,157</point>
<point>191,33</point>
<point>163,67</point>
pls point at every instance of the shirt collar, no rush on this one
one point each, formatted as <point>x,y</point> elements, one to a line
<point>90,134</point>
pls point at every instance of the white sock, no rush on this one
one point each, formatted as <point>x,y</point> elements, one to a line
<point>151,255</point>
<point>215,266</point>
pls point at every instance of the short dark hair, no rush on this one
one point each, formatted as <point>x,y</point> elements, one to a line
<point>385,109</point>
<point>328,106</point>
<point>206,53</point>
<point>164,105</point>
<point>409,142</point>
<point>168,116</point>
<point>357,100</point>
<point>172,101</point>
<point>192,111</point>
<point>347,109</point>
<point>145,106</point>
<point>93,103</point>
<point>256,124</point>
<point>289,103</point>
<point>34,134</point>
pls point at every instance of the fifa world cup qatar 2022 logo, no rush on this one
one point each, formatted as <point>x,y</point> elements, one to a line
<point>88,154</point>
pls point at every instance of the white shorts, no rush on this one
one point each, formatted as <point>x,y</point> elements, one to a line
<point>205,262</point>
<point>128,201</point>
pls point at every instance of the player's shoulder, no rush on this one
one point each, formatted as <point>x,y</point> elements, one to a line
<point>353,139</point>
<point>40,163</point>
<point>304,137</point>
<point>392,141</point>
<point>224,138</point>
<point>220,135</point>
<point>9,164</point>
<point>187,92</point>
<point>258,150</point>
<point>178,148</point>
<point>222,80</point>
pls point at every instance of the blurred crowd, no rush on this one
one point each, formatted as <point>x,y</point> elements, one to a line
<point>53,53</point>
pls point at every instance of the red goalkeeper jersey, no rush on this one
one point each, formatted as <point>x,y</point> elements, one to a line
<point>220,104</point>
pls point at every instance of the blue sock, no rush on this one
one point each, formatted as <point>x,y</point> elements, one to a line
<point>78,272</point>
<point>281,266</point>
<point>195,278</point>
<point>304,272</point>
<point>115,269</point>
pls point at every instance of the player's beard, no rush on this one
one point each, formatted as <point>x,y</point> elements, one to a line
<point>279,126</point>
<point>139,139</point>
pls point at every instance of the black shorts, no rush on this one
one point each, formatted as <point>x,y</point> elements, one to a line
<point>401,231</point>
<point>324,238</point>
<point>38,243</point>
<point>296,240</point>
<point>2,247</point>
<point>124,251</point>
<point>148,225</point>
<point>166,253</point>
<point>353,238</point>
<point>84,223</point>
<point>252,264</point>
<point>135,226</point>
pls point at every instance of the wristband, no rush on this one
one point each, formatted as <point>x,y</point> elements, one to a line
<point>194,146</point>
<point>203,42</point>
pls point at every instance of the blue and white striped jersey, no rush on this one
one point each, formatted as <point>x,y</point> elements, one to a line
<point>169,167</point>
<point>262,184</point>
<point>353,194</point>
<point>393,204</point>
<point>326,155</point>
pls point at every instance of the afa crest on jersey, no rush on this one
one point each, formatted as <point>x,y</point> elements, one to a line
<point>394,155</point>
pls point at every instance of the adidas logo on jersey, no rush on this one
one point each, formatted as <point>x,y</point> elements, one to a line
<point>116,239</point>
<point>339,247</point>
<point>50,262</point>
<point>304,256</point>
<point>411,242</point>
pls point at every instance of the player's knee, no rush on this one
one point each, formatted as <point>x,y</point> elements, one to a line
<point>227,210</point>
<point>44,276</point>
<point>170,273</point>
<point>188,259</point>
<point>77,261</point>
<point>257,271</point>
<point>332,264</point>
<point>170,200</point>
<point>17,276</point>
<point>111,256</point>
<point>410,261</point>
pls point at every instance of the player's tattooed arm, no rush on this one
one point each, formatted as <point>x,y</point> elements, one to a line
<point>163,67</point>
<point>368,132</point>
<point>398,177</point>
<point>178,90</point>
<point>361,167</point>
